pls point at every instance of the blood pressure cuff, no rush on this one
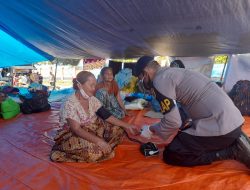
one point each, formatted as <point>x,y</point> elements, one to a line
<point>103,113</point>
<point>149,149</point>
<point>166,103</point>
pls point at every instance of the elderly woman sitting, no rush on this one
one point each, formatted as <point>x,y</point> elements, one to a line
<point>108,93</point>
<point>85,136</point>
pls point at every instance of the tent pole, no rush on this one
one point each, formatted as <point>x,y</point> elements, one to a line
<point>55,75</point>
<point>223,71</point>
<point>12,74</point>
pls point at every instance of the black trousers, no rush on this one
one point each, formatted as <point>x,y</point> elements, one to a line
<point>189,150</point>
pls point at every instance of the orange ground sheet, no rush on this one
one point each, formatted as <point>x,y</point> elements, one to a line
<point>26,142</point>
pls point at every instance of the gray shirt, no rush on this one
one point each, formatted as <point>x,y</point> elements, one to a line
<point>212,111</point>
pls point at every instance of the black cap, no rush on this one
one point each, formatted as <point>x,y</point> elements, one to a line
<point>141,64</point>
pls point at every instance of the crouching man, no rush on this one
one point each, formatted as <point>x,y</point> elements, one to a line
<point>215,133</point>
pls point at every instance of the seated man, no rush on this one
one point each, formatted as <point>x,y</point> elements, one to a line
<point>35,85</point>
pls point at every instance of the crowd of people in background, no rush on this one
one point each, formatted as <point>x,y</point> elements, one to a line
<point>24,79</point>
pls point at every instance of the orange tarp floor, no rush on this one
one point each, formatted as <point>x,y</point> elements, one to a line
<point>26,142</point>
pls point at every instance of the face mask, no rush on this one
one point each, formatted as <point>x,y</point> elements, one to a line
<point>147,85</point>
<point>83,93</point>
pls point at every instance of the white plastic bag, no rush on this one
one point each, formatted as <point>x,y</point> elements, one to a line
<point>145,132</point>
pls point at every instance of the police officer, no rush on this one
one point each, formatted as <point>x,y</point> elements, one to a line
<point>215,133</point>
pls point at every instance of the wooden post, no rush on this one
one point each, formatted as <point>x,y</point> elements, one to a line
<point>223,71</point>
<point>55,74</point>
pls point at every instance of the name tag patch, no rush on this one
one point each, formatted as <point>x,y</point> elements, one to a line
<point>166,103</point>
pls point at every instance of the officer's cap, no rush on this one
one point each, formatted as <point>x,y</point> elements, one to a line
<point>141,64</point>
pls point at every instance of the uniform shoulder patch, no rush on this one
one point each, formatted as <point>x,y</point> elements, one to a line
<point>166,103</point>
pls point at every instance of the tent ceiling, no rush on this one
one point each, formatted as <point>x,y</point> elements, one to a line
<point>130,28</point>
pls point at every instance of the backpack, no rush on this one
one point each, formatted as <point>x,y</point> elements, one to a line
<point>38,103</point>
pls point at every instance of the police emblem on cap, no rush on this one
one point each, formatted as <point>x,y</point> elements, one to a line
<point>166,103</point>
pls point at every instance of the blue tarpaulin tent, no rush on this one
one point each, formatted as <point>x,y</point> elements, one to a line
<point>14,52</point>
<point>129,28</point>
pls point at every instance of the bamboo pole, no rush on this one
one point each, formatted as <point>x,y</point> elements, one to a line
<point>55,75</point>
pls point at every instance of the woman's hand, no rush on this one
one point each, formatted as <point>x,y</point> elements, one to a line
<point>104,146</point>
<point>133,130</point>
<point>127,113</point>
